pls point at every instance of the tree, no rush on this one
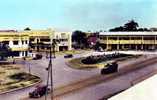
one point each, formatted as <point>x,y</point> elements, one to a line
<point>27,29</point>
<point>131,26</point>
<point>117,29</point>
<point>144,30</point>
<point>80,38</point>
<point>5,51</point>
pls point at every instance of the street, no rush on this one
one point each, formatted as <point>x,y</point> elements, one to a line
<point>62,75</point>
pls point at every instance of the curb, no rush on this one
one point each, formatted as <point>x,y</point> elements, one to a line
<point>20,88</point>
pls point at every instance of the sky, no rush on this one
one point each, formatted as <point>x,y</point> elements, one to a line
<point>85,15</point>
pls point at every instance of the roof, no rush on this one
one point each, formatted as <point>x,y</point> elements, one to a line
<point>127,33</point>
<point>12,33</point>
<point>8,30</point>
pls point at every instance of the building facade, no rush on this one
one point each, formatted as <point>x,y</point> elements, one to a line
<point>21,42</point>
<point>17,41</point>
<point>40,40</point>
<point>128,40</point>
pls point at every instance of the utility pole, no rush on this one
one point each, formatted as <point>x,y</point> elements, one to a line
<point>50,71</point>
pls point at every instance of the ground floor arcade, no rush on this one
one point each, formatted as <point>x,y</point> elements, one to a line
<point>129,46</point>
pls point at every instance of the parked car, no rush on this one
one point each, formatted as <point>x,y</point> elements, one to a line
<point>68,56</point>
<point>111,68</point>
<point>37,57</point>
<point>39,91</point>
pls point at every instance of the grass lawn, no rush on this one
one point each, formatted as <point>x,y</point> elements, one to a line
<point>77,62</point>
<point>12,78</point>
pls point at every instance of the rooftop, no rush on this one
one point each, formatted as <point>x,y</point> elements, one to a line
<point>127,33</point>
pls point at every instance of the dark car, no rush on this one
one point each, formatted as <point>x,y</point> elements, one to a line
<point>39,91</point>
<point>68,56</point>
<point>37,57</point>
<point>111,68</point>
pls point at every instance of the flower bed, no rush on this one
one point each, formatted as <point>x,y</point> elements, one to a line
<point>102,58</point>
<point>98,61</point>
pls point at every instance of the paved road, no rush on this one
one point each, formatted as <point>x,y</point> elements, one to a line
<point>62,75</point>
<point>99,91</point>
<point>99,79</point>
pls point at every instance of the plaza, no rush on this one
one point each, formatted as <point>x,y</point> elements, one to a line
<point>64,75</point>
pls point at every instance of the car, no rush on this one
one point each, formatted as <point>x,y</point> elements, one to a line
<point>110,68</point>
<point>37,57</point>
<point>39,91</point>
<point>68,56</point>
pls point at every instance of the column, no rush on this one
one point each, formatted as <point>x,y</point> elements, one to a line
<point>130,42</point>
<point>20,54</point>
<point>155,42</point>
<point>118,43</point>
<point>142,43</point>
<point>69,41</point>
<point>10,43</point>
<point>136,47</point>
<point>107,43</point>
<point>20,43</point>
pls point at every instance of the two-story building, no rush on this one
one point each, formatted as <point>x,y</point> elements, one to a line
<point>40,40</point>
<point>128,40</point>
<point>21,42</point>
<point>17,41</point>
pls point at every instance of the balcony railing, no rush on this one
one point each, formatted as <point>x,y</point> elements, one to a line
<point>128,41</point>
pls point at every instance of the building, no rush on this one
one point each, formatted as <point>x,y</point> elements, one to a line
<point>92,39</point>
<point>128,40</point>
<point>17,41</point>
<point>40,40</point>
<point>21,42</point>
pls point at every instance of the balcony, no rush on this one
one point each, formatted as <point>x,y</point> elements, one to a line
<point>149,42</point>
<point>19,48</point>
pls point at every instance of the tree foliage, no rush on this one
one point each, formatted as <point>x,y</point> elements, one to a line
<point>80,38</point>
<point>5,51</point>
<point>27,29</point>
<point>129,26</point>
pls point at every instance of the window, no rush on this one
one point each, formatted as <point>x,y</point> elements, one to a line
<point>6,42</point>
<point>26,42</point>
<point>63,35</point>
<point>22,42</point>
<point>124,38</point>
<point>148,38</point>
<point>136,38</point>
<point>45,40</point>
<point>112,38</point>
<point>15,42</point>
<point>31,39</point>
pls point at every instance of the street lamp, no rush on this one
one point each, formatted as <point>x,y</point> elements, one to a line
<point>50,73</point>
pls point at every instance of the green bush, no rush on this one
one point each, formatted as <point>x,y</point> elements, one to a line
<point>102,58</point>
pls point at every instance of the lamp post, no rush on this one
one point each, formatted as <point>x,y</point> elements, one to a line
<point>50,72</point>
